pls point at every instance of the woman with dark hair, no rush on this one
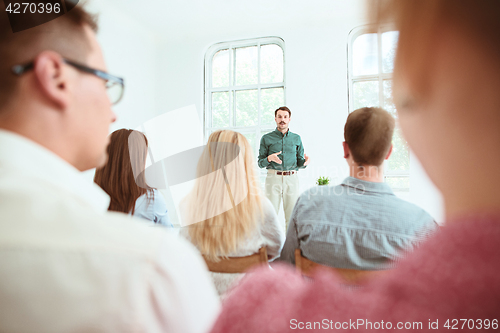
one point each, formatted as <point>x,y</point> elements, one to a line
<point>123,178</point>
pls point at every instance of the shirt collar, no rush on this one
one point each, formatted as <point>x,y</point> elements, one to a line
<point>28,157</point>
<point>277,131</point>
<point>366,186</point>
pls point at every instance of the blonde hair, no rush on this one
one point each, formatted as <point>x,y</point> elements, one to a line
<point>224,206</point>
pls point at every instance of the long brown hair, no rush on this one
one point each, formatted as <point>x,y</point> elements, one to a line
<point>123,176</point>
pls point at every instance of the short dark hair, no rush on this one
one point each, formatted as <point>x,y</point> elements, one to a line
<point>283,108</point>
<point>64,35</point>
<point>368,133</point>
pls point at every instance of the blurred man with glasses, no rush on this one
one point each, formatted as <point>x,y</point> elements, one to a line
<point>66,264</point>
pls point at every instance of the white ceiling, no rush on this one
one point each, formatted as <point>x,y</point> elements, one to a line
<point>182,17</point>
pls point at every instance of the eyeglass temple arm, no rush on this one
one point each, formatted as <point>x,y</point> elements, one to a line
<point>21,69</point>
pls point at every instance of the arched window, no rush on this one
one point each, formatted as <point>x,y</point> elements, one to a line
<point>371,54</point>
<point>244,84</point>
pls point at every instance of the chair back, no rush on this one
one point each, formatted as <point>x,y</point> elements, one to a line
<point>350,276</point>
<point>238,264</point>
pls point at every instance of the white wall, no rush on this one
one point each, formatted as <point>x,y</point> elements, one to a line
<point>161,54</point>
<point>423,192</point>
<point>130,50</point>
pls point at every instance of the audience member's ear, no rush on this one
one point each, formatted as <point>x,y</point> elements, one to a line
<point>347,152</point>
<point>389,153</point>
<point>52,78</point>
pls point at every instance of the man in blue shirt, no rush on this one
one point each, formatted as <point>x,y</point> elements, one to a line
<point>359,224</point>
<point>282,154</point>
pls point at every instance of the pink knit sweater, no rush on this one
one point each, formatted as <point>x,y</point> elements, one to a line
<point>451,281</point>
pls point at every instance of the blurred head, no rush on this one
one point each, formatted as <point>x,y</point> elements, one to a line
<point>282,116</point>
<point>123,176</point>
<point>54,104</point>
<point>446,82</point>
<point>224,205</point>
<point>368,136</point>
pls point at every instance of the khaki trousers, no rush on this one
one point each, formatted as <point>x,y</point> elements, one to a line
<point>286,187</point>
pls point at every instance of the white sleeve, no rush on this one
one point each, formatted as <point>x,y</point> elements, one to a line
<point>273,231</point>
<point>184,291</point>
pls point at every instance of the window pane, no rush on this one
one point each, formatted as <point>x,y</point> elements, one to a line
<point>251,139</point>
<point>400,157</point>
<point>364,55</point>
<point>220,69</point>
<point>271,63</point>
<point>365,94</point>
<point>398,184</point>
<point>388,101</point>
<point>270,100</point>
<point>220,109</point>
<point>246,65</point>
<point>247,108</point>
<point>389,44</point>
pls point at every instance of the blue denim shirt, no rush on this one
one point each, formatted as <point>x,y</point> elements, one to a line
<point>154,210</point>
<point>357,225</point>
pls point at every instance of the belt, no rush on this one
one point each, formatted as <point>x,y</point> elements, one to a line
<point>285,173</point>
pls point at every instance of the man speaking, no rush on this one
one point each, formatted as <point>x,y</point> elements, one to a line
<point>282,154</point>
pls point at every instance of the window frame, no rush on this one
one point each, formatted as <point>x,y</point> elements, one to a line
<point>380,76</point>
<point>232,88</point>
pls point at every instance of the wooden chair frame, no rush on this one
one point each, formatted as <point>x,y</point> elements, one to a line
<point>238,264</point>
<point>351,276</point>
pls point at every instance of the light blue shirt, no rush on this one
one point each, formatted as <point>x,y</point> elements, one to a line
<point>357,225</point>
<point>155,210</point>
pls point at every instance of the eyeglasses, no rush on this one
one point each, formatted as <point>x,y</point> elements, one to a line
<point>115,86</point>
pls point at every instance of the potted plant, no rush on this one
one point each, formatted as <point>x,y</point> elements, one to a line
<point>323,181</point>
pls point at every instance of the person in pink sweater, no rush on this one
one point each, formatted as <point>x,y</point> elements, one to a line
<point>446,89</point>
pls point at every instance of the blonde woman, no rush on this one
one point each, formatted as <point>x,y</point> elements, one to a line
<point>225,213</point>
